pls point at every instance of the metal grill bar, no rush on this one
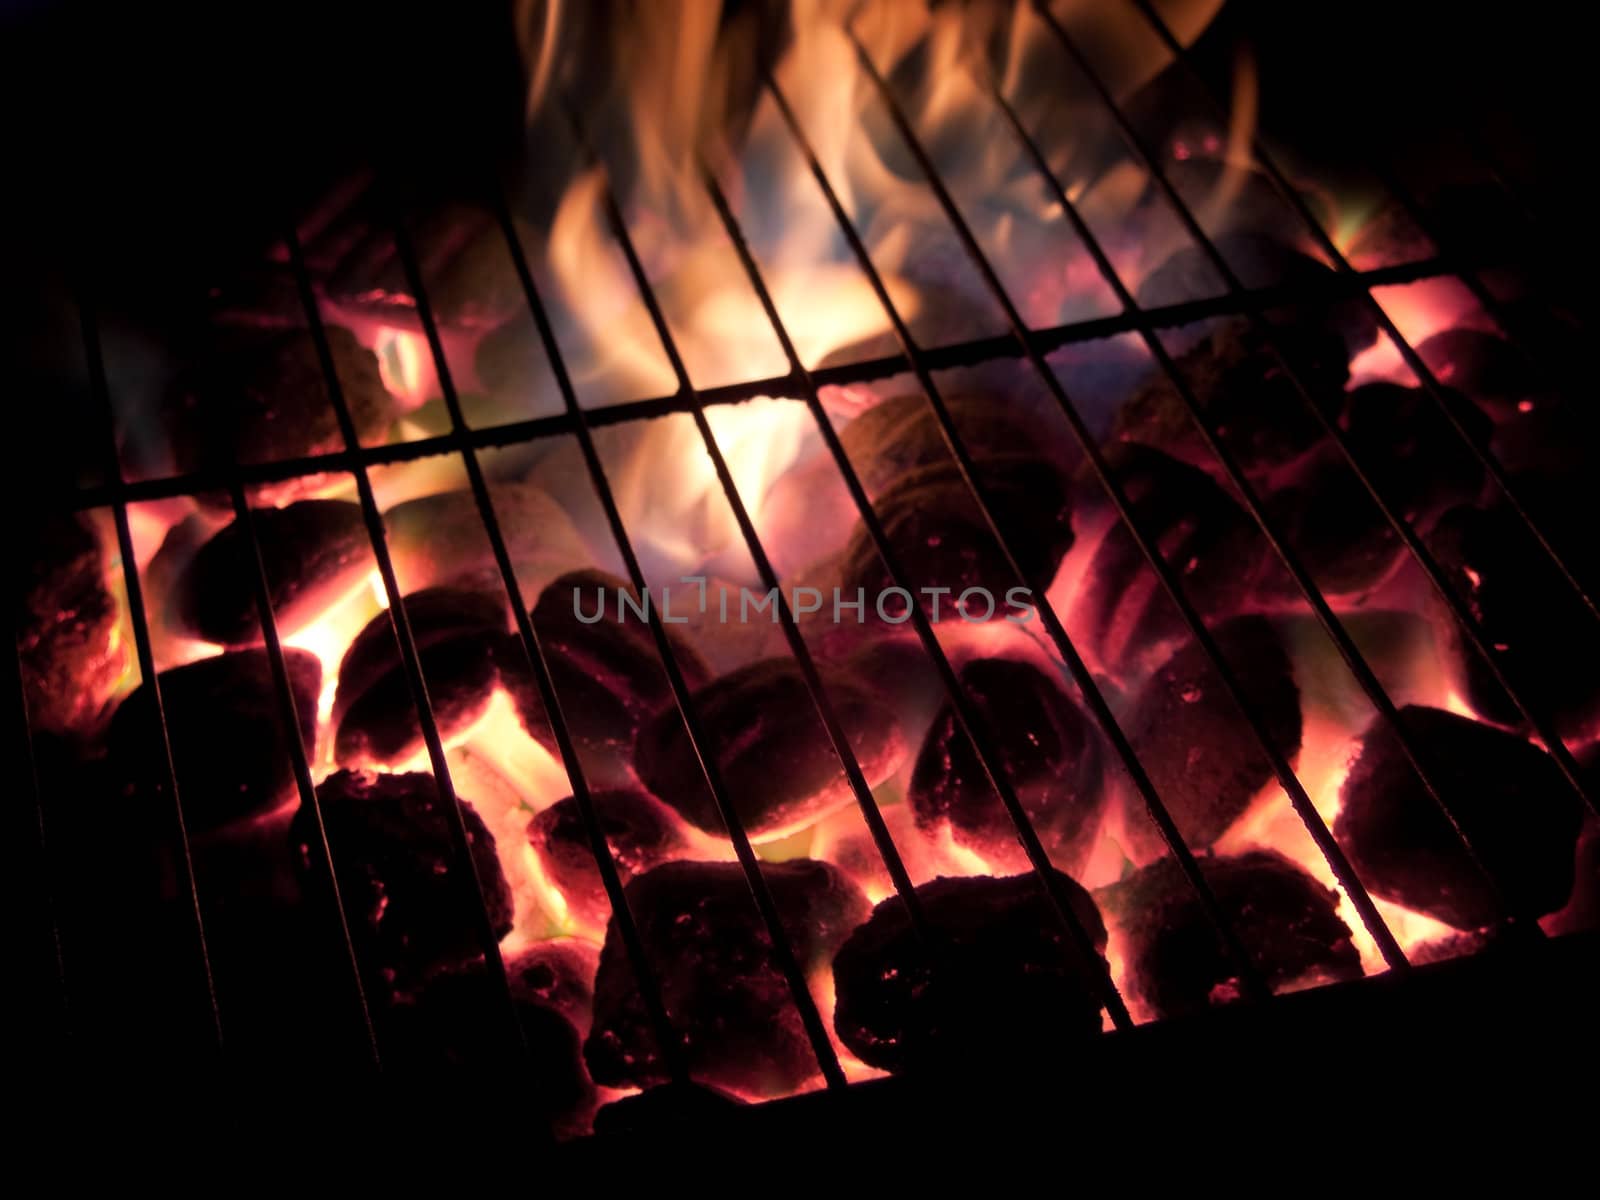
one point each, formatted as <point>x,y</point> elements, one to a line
<point>783,952</point>
<point>1423,372</point>
<point>1279,763</point>
<point>101,389</point>
<point>783,386</point>
<point>39,852</point>
<point>1331,625</point>
<point>970,720</point>
<point>1424,558</point>
<point>670,1044</point>
<point>253,566</point>
<point>905,890</point>
<point>1515,334</point>
<point>455,820</point>
<point>1540,362</point>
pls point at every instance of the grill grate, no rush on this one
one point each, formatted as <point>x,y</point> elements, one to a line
<point>147,662</point>
<point>803,384</point>
<point>786,387</point>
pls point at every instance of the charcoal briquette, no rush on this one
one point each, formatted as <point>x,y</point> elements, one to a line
<point>1175,961</point>
<point>1260,260</point>
<point>1209,542</point>
<point>1047,749</point>
<point>454,1022</point>
<point>461,253</point>
<point>455,633</point>
<point>607,675</point>
<point>1195,744</point>
<point>1410,451</point>
<point>440,540</point>
<point>641,831</point>
<point>313,553</point>
<point>1237,380</point>
<point>1543,638</point>
<point>261,396</point>
<point>231,755</point>
<point>729,1003</point>
<point>940,539</point>
<point>67,642</point>
<point>1332,524</point>
<point>411,912</point>
<point>775,756</point>
<point>1482,365</point>
<point>558,973</point>
<point>1508,796</point>
<point>902,435</point>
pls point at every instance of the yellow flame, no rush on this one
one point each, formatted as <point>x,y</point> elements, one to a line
<point>539,23</point>
<point>404,364</point>
<point>329,637</point>
<point>596,287</point>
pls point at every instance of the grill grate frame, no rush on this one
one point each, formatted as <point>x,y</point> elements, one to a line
<point>802,384</point>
